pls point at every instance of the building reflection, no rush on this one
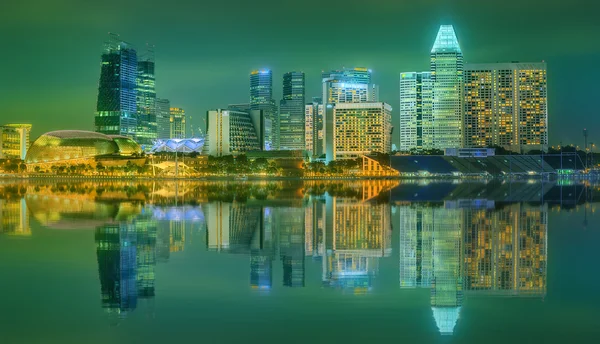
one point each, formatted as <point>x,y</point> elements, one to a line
<point>14,217</point>
<point>457,249</point>
<point>348,235</point>
<point>472,248</point>
<point>356,235</point>
<point>126,255</point>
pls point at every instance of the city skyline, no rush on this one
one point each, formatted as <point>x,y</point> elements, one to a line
<point>387,57</point>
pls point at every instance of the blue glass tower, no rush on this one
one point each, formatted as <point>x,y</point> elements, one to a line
<point>261,98</point>
<point>116,109</point>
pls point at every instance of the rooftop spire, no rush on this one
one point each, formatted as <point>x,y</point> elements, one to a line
<point>446,40</point>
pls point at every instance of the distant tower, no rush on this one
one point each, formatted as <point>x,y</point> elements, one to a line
<point>291,112</point>
<point>116,107</point>
<point>261,98</point>
<point>177,123</point>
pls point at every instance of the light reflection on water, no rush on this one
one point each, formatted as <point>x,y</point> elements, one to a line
<point>456,240</point>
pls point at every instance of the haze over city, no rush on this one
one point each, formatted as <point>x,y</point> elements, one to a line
<point>205,51</point>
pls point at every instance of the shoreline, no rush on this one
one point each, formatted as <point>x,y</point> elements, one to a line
<point>283,178</point>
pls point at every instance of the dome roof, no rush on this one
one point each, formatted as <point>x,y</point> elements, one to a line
<point>66,145</point>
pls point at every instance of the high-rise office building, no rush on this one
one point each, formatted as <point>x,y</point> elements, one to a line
<point>116,108</point>
<point>231,132</point>
<point>358,129</point>
<point>313,127</point>
<point>291,112</point>
<point>416,101</point>
<point>506,105</point>
<point>163,119</point>
<point>147,126</point>
<point>14,141</point>
<point>431,102</point>
<point>261,98</point>
<point>177,123</point>
<point>447,79</point>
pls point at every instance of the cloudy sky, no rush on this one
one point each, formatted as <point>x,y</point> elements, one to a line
<point>50,55</point>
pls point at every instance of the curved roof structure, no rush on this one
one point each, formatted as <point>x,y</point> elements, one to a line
<point>178,145</point>
<point>126,145</point>
<point>64,145</point>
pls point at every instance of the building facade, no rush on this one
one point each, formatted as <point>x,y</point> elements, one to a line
<point>357,129</point>
<point>163,119</point>
<point>147,127</point>
<point>313,127</point>
<point>14,141</point>
<point>346,86</point>
<point>177,123</point>
<point>261,98</point>
<point>416,101</point>
<point>291,112</point>
<point>506,105</point>
<point>116,108</point>
<point>230,132</point>
<point>349,85</point>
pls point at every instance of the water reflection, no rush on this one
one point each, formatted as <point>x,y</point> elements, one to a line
<point>457,240</point>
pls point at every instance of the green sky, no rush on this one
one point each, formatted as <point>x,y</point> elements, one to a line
<point>205,49</point>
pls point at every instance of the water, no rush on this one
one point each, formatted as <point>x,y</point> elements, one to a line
<point>293,262</point>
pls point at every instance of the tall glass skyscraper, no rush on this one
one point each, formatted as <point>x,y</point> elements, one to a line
<point>291,112</point>
<point>431,102</point>
<point>146,102</point>
<point>116,109</point>
<point>447,78</point>
<point>261,98</point>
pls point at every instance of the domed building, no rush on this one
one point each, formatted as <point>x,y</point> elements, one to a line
<point>76,147</point>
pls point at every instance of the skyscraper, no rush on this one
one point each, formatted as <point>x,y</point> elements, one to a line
<point>177,123</point>
<point>261,98</point>
<point>147,130</point>
<point>116,109</point>
<point>447,79</point>
<point>416,100</point>
<point>291,112</point>
<point>14,141</point>
<point>506,105</point>
<point>163,119</point>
